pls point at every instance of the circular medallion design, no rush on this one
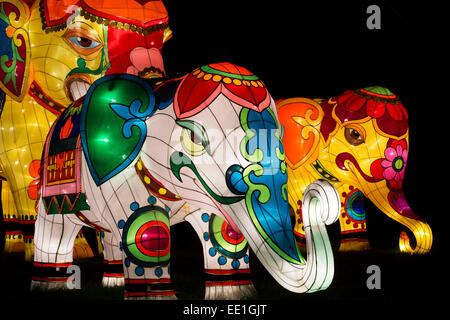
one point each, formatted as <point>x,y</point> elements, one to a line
<point>354,205</point>
<point>225,239</point>
<point>146,237</point>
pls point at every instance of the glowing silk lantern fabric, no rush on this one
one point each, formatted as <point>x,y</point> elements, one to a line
<point>52,51</point>
<point>14,241</point>
<point>151,157</point>
<point>358,141</point>
<point>226,258</point>
<point>225,251</point>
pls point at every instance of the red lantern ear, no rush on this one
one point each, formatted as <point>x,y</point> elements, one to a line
<point>301,118</point>
<point>15,48</point>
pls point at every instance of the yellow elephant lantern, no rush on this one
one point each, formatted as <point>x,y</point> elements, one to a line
<point>50,53</point>
<point>358,141</point>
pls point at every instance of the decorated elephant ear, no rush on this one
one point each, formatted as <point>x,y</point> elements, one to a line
<point>2,101</point>
<point>301,119</point>
<point>113,127</point>
<point>14,49</point>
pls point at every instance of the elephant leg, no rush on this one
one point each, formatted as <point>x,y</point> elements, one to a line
<point>112,257</point>
<point>53,250</point>
<point>141,223</point>
<point>226,258</point>
<point>147,283</point>
<point>13,235</point>
<point>353,220</point>
<point>146,246</point>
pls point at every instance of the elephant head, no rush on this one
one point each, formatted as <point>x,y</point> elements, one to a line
<point>51,52</point>
<point>59,48</point>
<point>215,143</point>
<point>358,138</point>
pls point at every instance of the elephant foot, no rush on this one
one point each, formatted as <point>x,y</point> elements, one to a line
<point>230,292</point>
<point>113,274</point>
<point>37,285</point>
<point>149,289</point>
<point>81,248</point>
<point>14,242</point>
<point>152,297</point>
<point>113,281</point>
<point>51,276</point>
<point>355,245</point>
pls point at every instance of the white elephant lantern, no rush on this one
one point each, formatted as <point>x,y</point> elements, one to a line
<point>211,140</point>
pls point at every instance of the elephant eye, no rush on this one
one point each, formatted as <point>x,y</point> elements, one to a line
<point>191,144</point>
<point>354,136</point>
<point>83,42</point>
<point>193,138</point>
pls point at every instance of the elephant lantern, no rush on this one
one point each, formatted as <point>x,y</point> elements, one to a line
<point>358,141</point>
<point>211,140</point>
<point>50,54</point>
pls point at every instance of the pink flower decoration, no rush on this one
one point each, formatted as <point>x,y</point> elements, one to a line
<point>143,59</point>
<point>394,163</point>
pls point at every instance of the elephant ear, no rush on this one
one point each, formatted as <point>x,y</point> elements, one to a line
<point>14,49</point>
<point>113,127</point>
<point>2,101</point>
<point>301,119</point>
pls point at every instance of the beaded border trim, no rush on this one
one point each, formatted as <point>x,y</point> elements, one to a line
<point>106,22</point>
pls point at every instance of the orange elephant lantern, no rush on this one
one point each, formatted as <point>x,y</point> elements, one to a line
<point>358,141</point>
<point>51,52</point>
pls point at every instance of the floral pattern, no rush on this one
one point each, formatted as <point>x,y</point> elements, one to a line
<point>395,162</point>
<point>388,114</point>
<point>35,185</point>
<point>199,88</point>
<point>392,166</point>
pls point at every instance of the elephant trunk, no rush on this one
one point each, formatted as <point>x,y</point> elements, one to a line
<point>321,207</point>
<point>394,205</point>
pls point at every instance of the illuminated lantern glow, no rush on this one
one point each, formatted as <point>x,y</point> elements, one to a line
<point>358,141</point>
<point>222,157</point>
<point>14,241</point>
<point>112,255</point>
<point>225,251</point>
<point>226,258</point>
<point>52,51</point>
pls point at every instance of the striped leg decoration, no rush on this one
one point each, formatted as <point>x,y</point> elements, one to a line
<point>48,276</point>
<point>149,289</point>
<point>113,265</point>
<point>226,258</point>
<point>53,250</point>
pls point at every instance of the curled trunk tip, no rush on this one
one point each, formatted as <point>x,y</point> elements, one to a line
<point>424,240</point>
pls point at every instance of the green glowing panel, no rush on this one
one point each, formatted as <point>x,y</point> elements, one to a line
<point>113,123</point>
